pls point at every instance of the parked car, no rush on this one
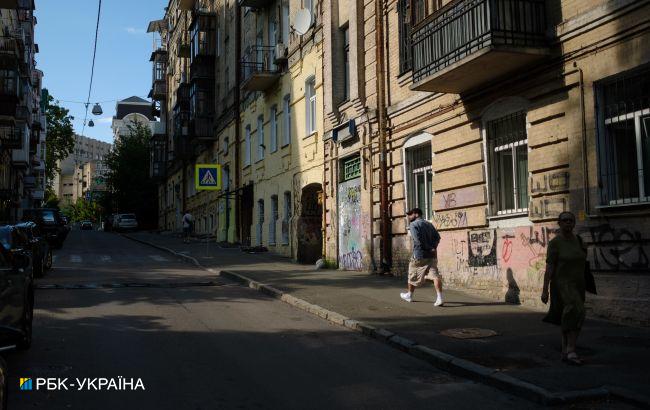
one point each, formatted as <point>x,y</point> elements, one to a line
<point>124,222</point>
<point>16,293</point>
<point>51,224</point>
<point>86,225</point>
<point>31,239</point>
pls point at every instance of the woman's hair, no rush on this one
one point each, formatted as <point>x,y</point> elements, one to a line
<point>566,213</point>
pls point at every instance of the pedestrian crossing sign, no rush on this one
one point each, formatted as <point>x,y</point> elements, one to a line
<point>207,177</point>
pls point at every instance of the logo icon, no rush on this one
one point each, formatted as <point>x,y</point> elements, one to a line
<point>26,383</point>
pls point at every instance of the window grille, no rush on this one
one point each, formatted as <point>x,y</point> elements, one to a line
<point>508,164</point>
<point>623,110</point>
<point>419,176</point>
<point>351,168</point>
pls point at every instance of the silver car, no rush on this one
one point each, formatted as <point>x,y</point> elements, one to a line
<point>125,222</point>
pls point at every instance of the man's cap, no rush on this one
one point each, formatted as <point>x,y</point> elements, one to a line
<point>414,211</point>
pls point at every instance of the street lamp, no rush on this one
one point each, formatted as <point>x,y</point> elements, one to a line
<point>97,109</point>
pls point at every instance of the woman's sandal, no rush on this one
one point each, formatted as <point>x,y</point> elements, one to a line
<point>572,359</point>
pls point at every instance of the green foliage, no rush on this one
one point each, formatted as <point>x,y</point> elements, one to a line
<point>131,189</point>
<point>60,136</point>
<point>82,210</point>
<point>51,200</point>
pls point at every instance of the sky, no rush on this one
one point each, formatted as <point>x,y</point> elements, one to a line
<point>65,35</point>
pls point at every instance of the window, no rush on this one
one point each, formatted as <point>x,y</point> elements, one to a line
<point>285,23</point>
<point>351,167</point>
<point>419,174</point>
<point>309,5</point>
<point>218,40</point>
<point>508,164</point>
<point>224,147</point>
<point>260,220</point>
<point>624,137</point>
<point>346,64</point>
<point>405,49</point>
<point>274,219</point>
<point>225,176</point>
<point>247,146</point>
<point>273,125</point>
<point>310,101</point>
<point>260,138</point>
<point>286,140</point>
<point>286,218</point>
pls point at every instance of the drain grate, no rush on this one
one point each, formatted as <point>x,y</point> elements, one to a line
<point>468,333</point>
<point>46,286</point>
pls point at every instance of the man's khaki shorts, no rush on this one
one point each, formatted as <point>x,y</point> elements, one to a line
<point>422,269</point>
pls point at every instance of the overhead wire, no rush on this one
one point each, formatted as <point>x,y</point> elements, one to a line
<point>92,70</point>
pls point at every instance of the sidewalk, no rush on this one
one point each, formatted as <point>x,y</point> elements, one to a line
<point>524,347</point>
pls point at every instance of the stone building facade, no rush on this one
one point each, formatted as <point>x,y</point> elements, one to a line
<point>493,128</point>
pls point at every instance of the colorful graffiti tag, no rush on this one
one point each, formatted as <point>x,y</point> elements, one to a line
<point>350,226</point>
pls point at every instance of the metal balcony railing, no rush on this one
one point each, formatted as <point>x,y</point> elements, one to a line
<point>259,71</point>
<point>11,137</point>
<point>9,46</point>
<point>466,27</point>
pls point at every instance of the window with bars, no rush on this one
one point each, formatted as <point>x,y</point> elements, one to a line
<point>260,138</point>
<point>623,112</point>
<point>351,168</point>
<point>286,217</point>
<point>404,26</point>
<point>273,127</point>
<point>274,219</point>
<point>419,174</point>
<point>508,164</point>
<point>310,101</point>
<point>260,220</point>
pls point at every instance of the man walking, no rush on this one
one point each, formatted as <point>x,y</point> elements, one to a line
<point>424,263</point>
<point>188,221</point>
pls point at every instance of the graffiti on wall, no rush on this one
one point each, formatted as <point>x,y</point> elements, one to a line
<point>619,249</point>
<point>544,208</point>
<point>548,183</point>
<point>459,198</point>
<point>350,227</point>
<point>482,248</point>
<point>449,220</point>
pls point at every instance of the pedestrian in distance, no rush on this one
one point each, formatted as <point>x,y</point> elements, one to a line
<point>188,224</point>
<point>565,277</point>
<point>424,262</point>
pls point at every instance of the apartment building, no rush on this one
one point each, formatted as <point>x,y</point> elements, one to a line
<point>246,94</point>
<point>497,115</point>
<point>80,170</point>
<point>22,113</point>
<point>129,112</point>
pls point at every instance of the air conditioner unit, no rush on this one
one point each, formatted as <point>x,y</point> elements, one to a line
<point>280,53</point>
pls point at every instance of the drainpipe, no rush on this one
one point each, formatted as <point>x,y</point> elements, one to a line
<point>381,116</point>
<point>585,167</point>
<point>237,194</point>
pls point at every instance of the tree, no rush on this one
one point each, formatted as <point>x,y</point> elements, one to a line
<point>130,186</point>
<point>60,136</point>
<point>51,200</point>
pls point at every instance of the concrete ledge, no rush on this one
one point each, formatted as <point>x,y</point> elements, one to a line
<point>435,358</point>
<point>383,334</point>
<point>401,343</point>
<point>628,396</point>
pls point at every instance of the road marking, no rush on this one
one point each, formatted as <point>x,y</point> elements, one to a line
<point>106,258</point>
<point>75,258</point>
<point>159,258</point>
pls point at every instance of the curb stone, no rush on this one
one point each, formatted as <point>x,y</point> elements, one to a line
<point>434,357</point>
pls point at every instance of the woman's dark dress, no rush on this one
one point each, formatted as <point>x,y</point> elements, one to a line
<point>567,291</point>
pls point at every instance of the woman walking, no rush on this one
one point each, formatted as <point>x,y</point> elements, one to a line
<point>565,273</point>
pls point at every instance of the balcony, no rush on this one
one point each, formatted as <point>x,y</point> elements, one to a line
<point>182,47</point>
<point>182,97</point>
<point>202,70</point>
<point>472,42</point>
<point>9,47</point>
<point>255,4</point>
<point>259,72</point>
<point>20,157</point>
<point>11,137</point>
<point>202,127</point>
<point>22,113</point>
<point>159,90</point>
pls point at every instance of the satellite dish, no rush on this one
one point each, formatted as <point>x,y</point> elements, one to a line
<point>302,21</point>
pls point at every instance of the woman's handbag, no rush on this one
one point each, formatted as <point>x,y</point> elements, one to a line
<point>590,282</point>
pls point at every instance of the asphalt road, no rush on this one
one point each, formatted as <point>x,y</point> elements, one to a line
<point>114,308</point>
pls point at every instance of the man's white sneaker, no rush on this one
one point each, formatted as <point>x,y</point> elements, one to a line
<point>439,302</point>
<point>406,297</point>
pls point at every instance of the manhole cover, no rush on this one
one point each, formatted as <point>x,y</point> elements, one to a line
<point>468,333</point>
